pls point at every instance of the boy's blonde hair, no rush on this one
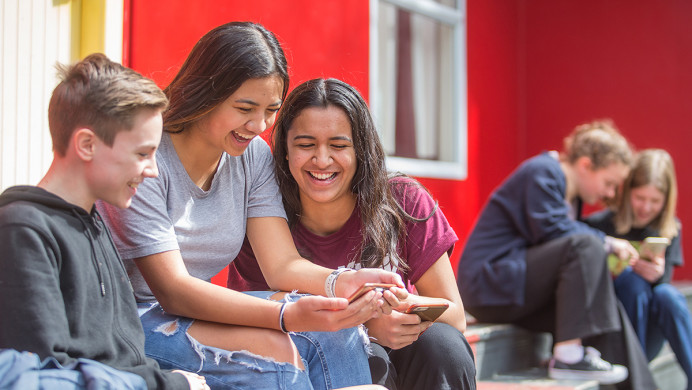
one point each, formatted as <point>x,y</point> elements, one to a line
<point>101,95</point>
<point>601,142</point>
<point>654,167</point>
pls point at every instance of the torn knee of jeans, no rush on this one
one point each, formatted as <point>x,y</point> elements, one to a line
<point>363,333</point>
<point>293,296</point>
<point>245,358</point>
<point>277,296</point>
<point>167,328</point>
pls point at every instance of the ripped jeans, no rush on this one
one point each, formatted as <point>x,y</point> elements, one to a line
<point>332,359</point>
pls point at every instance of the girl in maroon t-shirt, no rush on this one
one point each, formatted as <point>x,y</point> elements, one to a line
<point>345,210</point>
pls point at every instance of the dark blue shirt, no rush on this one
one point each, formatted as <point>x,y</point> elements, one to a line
<point>527,209</point>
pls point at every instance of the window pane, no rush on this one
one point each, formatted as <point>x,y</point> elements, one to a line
<point>415,82</point>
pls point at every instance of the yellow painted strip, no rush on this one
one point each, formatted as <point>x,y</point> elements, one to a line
<point>75,28</point>
<point>93,27</point>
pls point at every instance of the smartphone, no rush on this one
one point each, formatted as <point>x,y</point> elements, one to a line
<point>652,247</point>
<point>428,312</point>
<point>369,287</point>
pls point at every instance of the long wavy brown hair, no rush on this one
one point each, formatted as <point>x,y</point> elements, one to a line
<point>383,219</point>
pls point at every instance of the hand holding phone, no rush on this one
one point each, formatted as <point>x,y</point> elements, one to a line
<point>428,312</point>
<point>653,247</point>
<point>365,288</point>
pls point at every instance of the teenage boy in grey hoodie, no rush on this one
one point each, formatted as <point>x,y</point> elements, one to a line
<point>64,293</point>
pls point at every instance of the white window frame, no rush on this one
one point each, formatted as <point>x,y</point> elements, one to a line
<point>455,18</point>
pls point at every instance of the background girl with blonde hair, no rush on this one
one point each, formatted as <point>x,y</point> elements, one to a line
<point>646,208</point>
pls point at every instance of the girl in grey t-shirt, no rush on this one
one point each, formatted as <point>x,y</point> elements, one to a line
<point>215,187</point>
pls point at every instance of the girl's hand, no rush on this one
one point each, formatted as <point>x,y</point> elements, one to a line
<point>396,330</point>
<point>349,282</point>
<point>652,270</point>
<point>317,313</point>
<point>196,382</point>
<point>395,299</point>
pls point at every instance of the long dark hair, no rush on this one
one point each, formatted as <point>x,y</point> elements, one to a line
<point>383,218</point>
<point>219,63</point>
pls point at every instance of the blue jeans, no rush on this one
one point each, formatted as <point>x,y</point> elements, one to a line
<point>167,341</point>
<point>658,313</point>
<point>25,370</point>
<point>333,359</point>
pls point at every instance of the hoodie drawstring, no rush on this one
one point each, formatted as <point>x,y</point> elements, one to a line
<point>97,215</point>
<point>94,259</point>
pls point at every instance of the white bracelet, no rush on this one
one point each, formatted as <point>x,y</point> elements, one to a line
<point>330,282</point>
<point>282,324</point>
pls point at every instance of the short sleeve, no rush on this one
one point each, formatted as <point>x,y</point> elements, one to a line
<point>427,239</point>
<point>144,228</point>
<point>264,197</point>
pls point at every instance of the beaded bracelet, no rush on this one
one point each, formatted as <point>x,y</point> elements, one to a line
<point>282,325</point>
<point>330,282</point>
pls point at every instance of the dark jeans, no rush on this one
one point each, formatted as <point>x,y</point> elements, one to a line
<point>440,359</point>
<point>658,313</point>
<point>569,293</point>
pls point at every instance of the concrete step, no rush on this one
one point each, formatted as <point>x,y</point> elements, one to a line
<point>512,358</point>
<point>667,372</point>
<point>533,379</point>
<point>502,348</point>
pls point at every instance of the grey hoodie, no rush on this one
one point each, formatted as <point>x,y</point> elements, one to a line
<point>63,289</point>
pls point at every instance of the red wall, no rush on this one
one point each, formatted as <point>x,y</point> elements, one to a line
<point>627,60</point>
<point>535,70</point>
<point>336,45</point>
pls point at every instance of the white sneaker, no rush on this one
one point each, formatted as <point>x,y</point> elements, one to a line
<point>591,367</point>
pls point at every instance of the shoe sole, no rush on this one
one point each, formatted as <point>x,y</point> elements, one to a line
<point>604,378</point>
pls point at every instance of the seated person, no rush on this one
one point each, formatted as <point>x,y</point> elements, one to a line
<point>530,261</point>
<point>344,211</point>
<point>216,185</point>
<point>646,208</point>
<point>63,290</point>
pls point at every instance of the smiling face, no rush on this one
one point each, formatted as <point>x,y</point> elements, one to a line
<point>248,112</point>
<point>117,170</point>
<point>599,184</point>
<point>321,156</point>
<point>647,203</point>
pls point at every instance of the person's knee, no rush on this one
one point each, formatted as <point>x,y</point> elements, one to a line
<point>630,286</point>
<point>670,299</point>
<point>588,245</point>
<point>268,343</point>
<point>444,346</point>
<point>279,346</point>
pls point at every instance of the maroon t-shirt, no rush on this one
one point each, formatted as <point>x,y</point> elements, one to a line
<point>424,244</point>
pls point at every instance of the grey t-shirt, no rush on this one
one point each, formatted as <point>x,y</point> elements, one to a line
<point>208,227</point>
